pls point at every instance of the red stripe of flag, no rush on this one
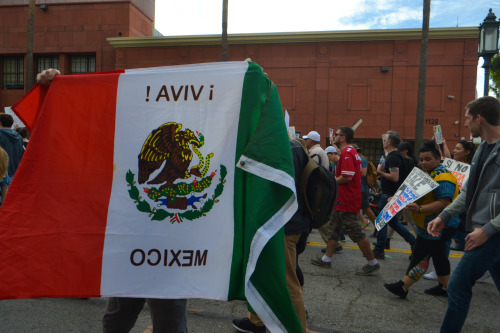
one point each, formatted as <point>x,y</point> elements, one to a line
<point>54,217</point>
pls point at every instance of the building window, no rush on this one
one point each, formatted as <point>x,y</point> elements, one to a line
<point>82,64</point>
<point>13,72</point>
<point>46,62</point>
<point>372,149</point>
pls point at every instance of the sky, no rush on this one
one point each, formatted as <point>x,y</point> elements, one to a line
<point>204,17</point>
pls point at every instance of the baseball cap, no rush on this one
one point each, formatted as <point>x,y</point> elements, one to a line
<point>330,150</point>
<point>313,135</point>
<point>355,146</point>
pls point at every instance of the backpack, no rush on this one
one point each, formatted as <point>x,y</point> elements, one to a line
<point>371,175</point>
<point>318,187</point>
<point>409,164</point>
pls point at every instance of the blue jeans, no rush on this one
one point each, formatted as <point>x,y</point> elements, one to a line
<point>470,268</point>
<point>394,224</point>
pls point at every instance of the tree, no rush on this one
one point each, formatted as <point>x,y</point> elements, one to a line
<point>495,75</point>
<point>224,30</point>
<point>29,47</point>
<point>422,78</point>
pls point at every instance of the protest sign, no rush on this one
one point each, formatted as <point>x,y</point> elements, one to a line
<point>17,121</point>
<point>459,169</point>
<point>415,186</point>
<point>438,134</point>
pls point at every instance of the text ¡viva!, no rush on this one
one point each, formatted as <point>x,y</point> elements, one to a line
<point>181,93</point>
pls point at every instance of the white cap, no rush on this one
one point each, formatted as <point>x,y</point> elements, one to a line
<point>331,149</point>
<point>313,135</point>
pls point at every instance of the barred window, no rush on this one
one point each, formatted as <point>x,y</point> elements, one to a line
<point>13,72</point>
<point>46,62</point>
<point>372,149</point>
<point>82,64</point>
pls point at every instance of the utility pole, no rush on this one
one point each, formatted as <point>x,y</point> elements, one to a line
<point>224,30</point>
<point>422,79</point>
<point>29,51</point>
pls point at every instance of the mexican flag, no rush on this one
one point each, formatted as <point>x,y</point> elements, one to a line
<point>171,182</point>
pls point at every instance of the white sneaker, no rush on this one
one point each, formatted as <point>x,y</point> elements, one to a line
<point>484,277</point>
<point>431,276</point>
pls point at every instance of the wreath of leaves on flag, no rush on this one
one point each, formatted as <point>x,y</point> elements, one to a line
<point>161,214</point>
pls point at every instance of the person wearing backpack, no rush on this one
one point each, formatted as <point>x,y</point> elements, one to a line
<point>393,172</point>
<point>315,151</point>
<point>296,231</point>
<point>365,203</point>
<point>348,204</point>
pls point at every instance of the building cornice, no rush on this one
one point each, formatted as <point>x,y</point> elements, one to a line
<point>297,37</point>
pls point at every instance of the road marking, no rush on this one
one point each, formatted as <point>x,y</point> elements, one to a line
<point>353,246</point>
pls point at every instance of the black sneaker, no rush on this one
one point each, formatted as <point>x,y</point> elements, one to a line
<point>245,325</point>
<point>378,254</point>
<point>397,289</point>
<point>436,291</point>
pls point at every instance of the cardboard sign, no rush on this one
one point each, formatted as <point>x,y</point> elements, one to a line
<point>17,121</point>
<point>458,169</point>
<point>415,186</point>
<point>438,134</point>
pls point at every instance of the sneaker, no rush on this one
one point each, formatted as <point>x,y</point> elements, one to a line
<point>245,325</point>
<point>337,249</point>
<point>397,289</point>
<point>431,276</point>
<point>436,291</point>
<point>368,269</point>
<point>378,254</point>
<point>319,262</point>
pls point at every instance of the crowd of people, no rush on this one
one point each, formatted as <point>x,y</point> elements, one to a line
<point>468,215</point>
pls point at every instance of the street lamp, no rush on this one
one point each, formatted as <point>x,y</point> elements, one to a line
<point>488,45</point>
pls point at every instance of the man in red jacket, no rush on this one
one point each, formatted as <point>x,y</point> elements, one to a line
<point>348,176</point>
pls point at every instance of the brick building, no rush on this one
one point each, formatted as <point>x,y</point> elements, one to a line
<point>68,34</point>
<point>325,79</point>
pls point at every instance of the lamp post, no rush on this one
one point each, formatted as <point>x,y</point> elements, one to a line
<point>488,45</point>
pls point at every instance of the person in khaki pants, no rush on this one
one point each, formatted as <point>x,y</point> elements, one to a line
<point>299,224</point>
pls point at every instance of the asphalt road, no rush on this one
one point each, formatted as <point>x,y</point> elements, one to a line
<point>337,300</point>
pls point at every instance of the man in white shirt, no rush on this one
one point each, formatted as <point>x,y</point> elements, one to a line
<point>315,151</point>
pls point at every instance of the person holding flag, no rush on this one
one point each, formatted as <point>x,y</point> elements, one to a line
<point>152,195</point>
